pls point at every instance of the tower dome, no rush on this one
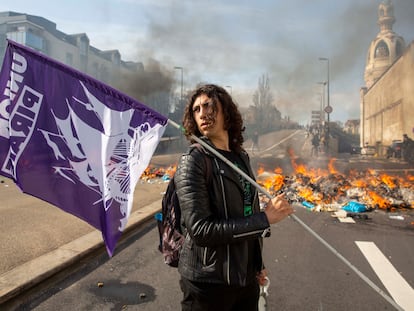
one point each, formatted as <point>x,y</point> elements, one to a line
<point>385,48</point>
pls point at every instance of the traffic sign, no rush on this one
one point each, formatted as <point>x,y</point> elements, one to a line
<point>328,109</point>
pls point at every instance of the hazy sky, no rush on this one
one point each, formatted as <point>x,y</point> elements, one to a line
<point>234,42</point>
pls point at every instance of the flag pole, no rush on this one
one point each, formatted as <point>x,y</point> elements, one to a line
<point>317,236</point>
<point>225,160</point>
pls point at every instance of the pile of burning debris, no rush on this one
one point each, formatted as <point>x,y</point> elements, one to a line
<point>327,190</point>
<point>156,173</point>
<point>320,190</point>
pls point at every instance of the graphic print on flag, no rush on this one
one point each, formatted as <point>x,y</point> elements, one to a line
<point>73,141</point>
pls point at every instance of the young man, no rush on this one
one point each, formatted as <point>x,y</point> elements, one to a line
<point>221,260</point>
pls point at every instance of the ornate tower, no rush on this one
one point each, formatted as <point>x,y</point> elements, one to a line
<point>385,48</point>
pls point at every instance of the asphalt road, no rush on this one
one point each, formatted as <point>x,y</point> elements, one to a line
<point>304,274</point>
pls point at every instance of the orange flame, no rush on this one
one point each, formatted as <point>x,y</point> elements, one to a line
<point>388,180</point>
<point>367,185</point>
<point>260,170</point>
<point>379,200</point>
<point>309,195</point>
<point>331,166</point>
<point>150,172</point>
<point>319,186</point>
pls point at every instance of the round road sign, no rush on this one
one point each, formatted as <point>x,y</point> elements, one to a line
<point>328,109</point>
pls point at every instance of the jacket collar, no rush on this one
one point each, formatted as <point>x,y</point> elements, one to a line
<point>243,155</point>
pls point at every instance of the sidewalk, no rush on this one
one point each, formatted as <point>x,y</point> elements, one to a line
<point>23,277</point>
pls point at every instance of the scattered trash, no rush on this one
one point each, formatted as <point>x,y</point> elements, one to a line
<point>397,217</point>
<point>328,207</point>
<point>308,205</point>
<point>360,191</point>
<point>158,173</point>
<point>357,215</point>
<point>354,207</point>
<point>348,220</point>
<point>342,216</point>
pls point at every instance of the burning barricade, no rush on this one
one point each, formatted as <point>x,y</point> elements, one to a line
<point>152,173</point>
<point>328,190</point>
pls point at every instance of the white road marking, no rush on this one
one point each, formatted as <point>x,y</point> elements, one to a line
<point>281,141</point>
<point>397,286</point>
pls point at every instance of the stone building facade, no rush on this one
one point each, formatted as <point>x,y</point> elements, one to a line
<point>352,127</point>
<point>387,100</point>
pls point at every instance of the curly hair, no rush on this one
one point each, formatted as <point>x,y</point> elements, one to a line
<point>233,121</point>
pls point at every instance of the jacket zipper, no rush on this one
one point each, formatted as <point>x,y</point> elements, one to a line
<point>227,217</point>
<point>251,233</point>
<point>205,256</point>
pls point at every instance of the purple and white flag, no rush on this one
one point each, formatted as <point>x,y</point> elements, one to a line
<point>73,141</point>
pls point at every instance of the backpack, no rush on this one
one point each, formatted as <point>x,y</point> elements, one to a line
<point>170,232</point>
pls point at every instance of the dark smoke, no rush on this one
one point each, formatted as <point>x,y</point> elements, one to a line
<point>347,39</point>
<point>151,86</point>
<point>234,44</point>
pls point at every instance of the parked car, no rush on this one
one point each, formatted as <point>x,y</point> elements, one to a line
<point>368,150</point>
<point>355,150</point>
<point>394,150</point>
<point>408,149</point>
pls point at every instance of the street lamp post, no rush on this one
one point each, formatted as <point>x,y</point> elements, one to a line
<point>328,108</point>
<point>181,96</point>
<point>321,109</point>
<point>323,101</point>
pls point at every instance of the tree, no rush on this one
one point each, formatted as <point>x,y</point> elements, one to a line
<point>267,116</point>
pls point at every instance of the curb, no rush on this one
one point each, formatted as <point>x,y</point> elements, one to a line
<point>29,274</point>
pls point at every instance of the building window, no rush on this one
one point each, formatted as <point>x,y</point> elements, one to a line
<point>104,74</point>
<point>83,63</point>
<point>83,47</point>
<point>382,50</point>
<point>117,59</point>
<point>398,49</point>
<point>34,41</point>
<point>27,38</point>
<point>95,70</point>
<point>18,36</point>
<point>69,59</point>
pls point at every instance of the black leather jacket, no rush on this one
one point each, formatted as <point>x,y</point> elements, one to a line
<point>215,248</point>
